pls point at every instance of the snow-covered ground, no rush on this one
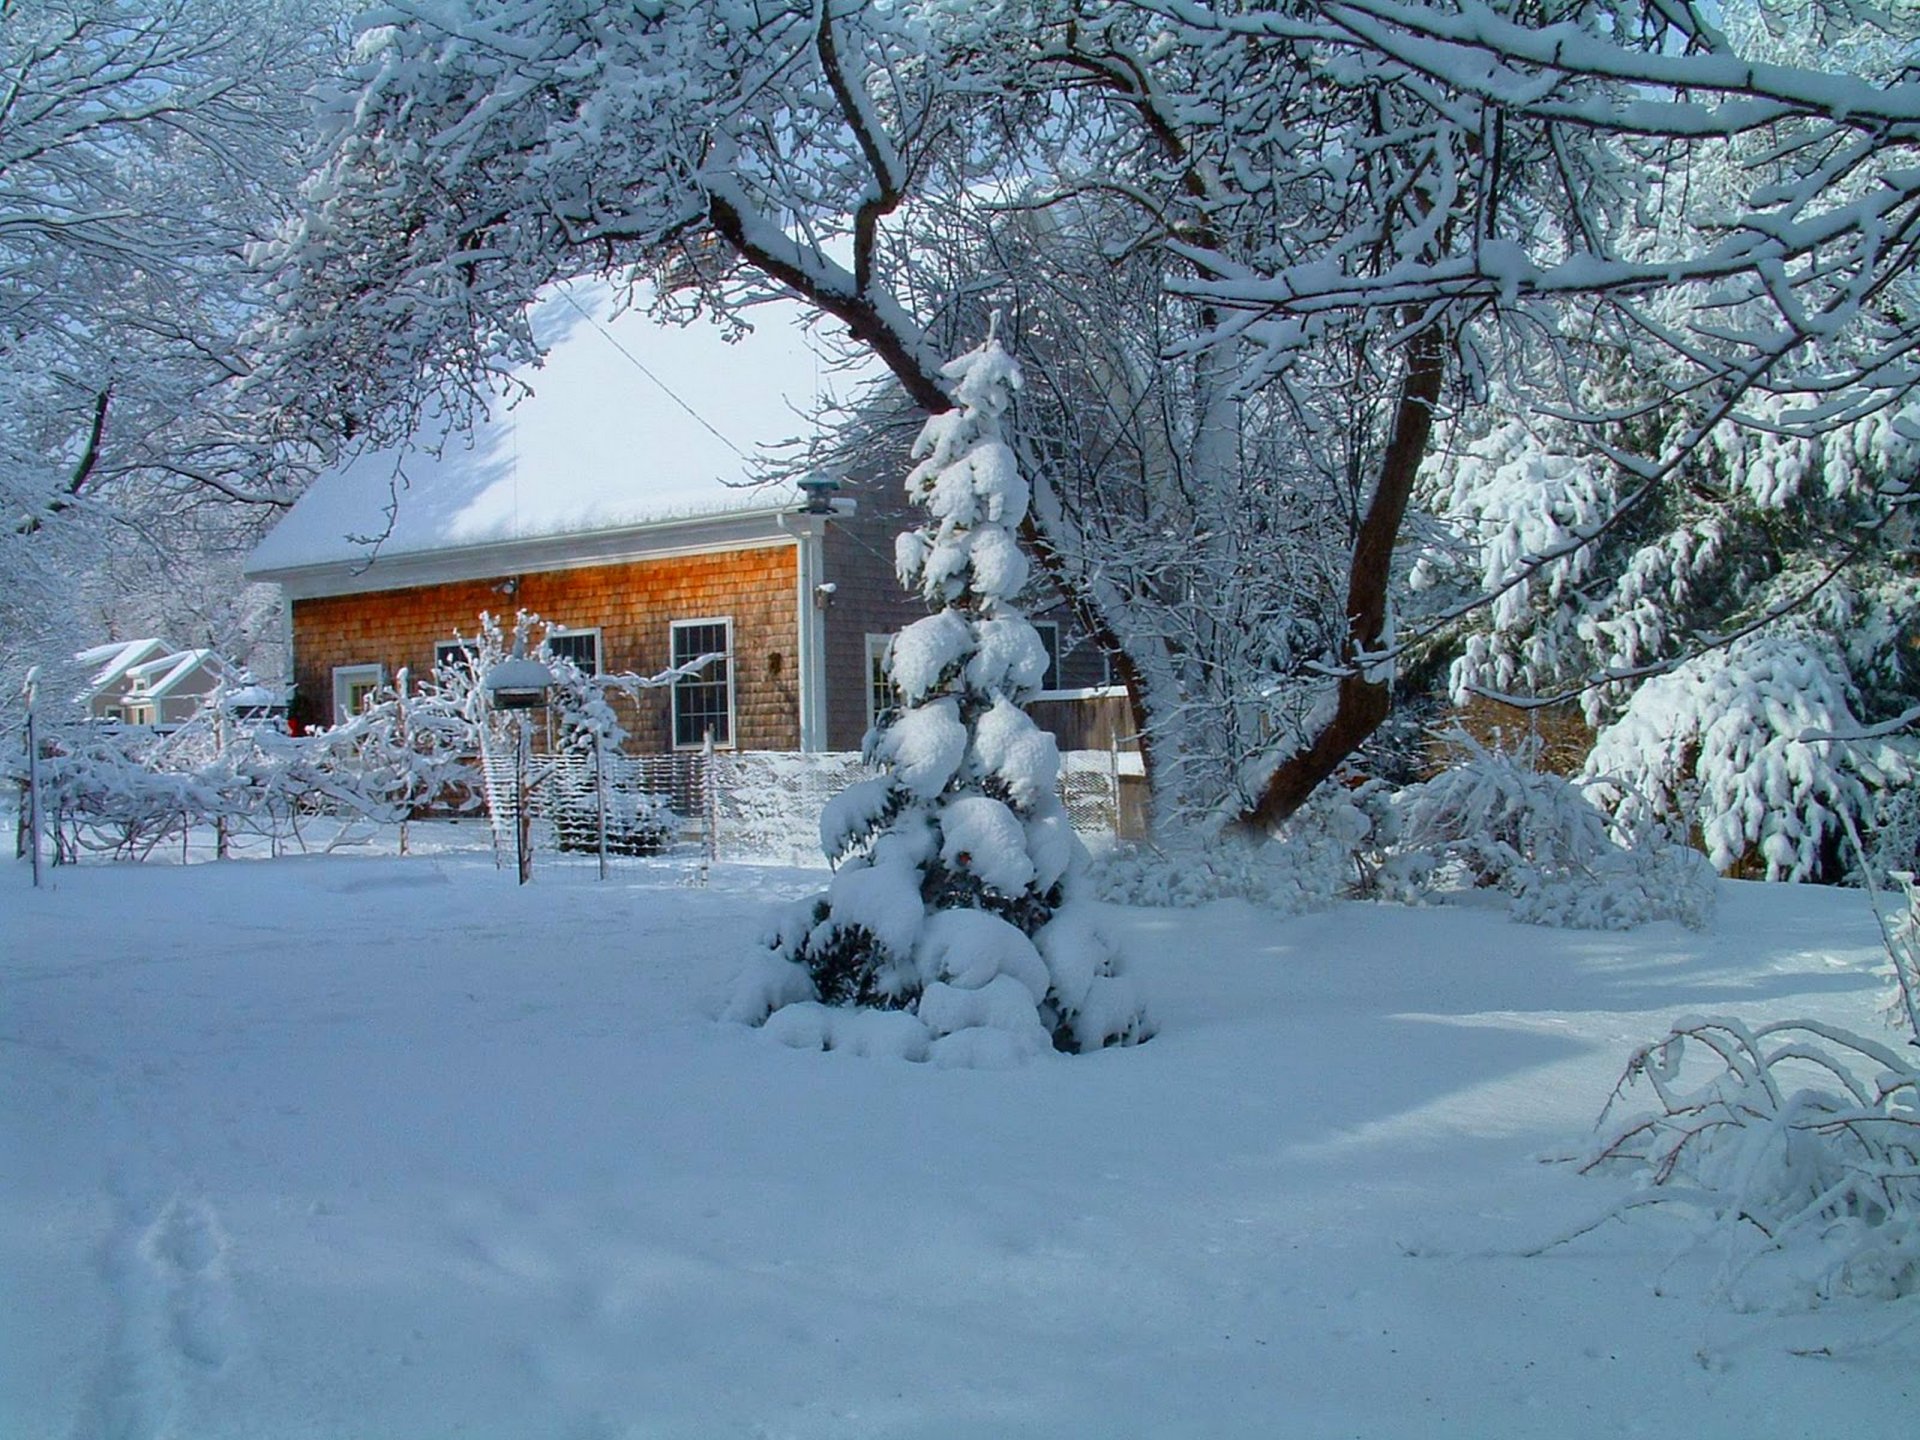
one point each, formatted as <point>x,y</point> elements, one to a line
<point>370,1147</point>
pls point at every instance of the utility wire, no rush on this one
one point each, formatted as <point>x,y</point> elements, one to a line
<point>667,389</point>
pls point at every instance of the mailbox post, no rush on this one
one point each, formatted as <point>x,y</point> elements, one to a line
<point>520,684</point>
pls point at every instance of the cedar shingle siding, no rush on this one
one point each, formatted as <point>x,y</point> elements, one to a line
<point>632,604</point>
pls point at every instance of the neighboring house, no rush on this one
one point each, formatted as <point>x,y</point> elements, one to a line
<point>107,679</point>
<point>169,690</point>
<point>595,504</point>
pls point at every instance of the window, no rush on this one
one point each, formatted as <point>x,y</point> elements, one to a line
<point>352,684</point>
<point>703,701</point>
<point>580,647</point>
<point>880,692</point>
<point>1050,637</point>
<point>452,652</point>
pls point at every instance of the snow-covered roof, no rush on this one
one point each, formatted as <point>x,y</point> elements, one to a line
<point>600,445</point>
<point>162,674</point>
<point>256,697</point>
<point>108,663</point>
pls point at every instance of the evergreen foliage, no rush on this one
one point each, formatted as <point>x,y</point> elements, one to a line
<point>952,896</point>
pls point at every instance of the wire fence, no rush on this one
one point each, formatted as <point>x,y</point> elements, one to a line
<point>130,794</point>
<point>754,805</point>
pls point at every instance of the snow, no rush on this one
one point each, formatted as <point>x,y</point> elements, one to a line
<point>924,747</point>
<point>982,837</point>
<point>358,1145</point>
<point>598,445</point>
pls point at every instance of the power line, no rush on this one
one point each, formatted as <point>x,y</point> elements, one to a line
<point>665,388</point>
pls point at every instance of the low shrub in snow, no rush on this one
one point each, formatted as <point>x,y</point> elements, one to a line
<point>1729,743</point>
<point>1495,821</point>
<point>1800,1141</point>
<point>1315,860</point>
<point>637,823</point>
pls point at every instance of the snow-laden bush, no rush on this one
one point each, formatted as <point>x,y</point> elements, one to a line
<point>126,790</point>
<point>952,902</point>
<point>579,801</point>
<point>1902,936</point>
<point>1493,820</point>
<point>1800,1141</point>
<point>1314,860</point>
<point>1731,741</point>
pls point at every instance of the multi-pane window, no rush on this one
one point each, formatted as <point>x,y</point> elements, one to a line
<point>1050,637</point>
<point>352,684</point>
<point>880,692</point>
<point>703,701</point>
<point>581,647</point>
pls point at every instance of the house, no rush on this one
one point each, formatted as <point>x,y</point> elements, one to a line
<point>169,690</point>
<point>148,682</point>
<point>104,688</point>
<point>601,503</point>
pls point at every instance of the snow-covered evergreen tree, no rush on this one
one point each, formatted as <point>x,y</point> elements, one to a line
<point>1745,648</point>
<point>951,898</point>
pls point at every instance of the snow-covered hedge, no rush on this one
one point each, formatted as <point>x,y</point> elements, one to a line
<point>1318,857</point>
<point>126,790</point>
<point>1739,739</point>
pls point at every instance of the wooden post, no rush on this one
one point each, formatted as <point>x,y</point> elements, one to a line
<point>600,799</point>
<point>32,815</point>
<point>222,826</point>
<point>403,744</point>
<point>710,796</point>
<point>522,820</point>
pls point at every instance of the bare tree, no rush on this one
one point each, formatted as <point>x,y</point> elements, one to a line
<point>1343,217</point>
<point>143,148</point>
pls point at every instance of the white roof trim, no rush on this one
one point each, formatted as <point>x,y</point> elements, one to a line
<point>739,530</point>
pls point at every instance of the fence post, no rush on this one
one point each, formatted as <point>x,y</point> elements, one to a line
<point>710,798</point>
<point>600,799</point>
<point>404,744</point>
<point>32,815</point>
<point>222,825</point>
<point>522,817</point>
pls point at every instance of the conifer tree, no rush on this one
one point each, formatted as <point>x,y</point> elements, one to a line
<point>951,901</point>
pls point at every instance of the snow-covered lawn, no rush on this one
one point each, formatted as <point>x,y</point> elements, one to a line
<point>370,1147</point>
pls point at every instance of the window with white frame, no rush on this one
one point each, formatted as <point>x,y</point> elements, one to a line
<point>453,654</point>
<point>580,647</point>
<point>1050,637</point>
<point>881,694</point>
<point>703,701</point>
<point>352,684</point>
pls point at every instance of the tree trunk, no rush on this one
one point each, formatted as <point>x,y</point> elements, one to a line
<point>1363,703</point>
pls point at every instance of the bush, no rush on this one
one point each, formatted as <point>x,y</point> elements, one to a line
<point>1801,1142</point>
<point>1495,821</point>
<point>637,823</point>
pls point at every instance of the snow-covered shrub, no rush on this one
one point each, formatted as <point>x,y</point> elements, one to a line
<point>1724,741</point>
<point>102,792</point>
<point>637,823</point>
<point>1703,737</point>
<point>952,901</point>
<point>1316,858</point>
<point>125,790</point>
<point>1800,1141</point>
<point>1902,935</point>
<point>1493,820</point>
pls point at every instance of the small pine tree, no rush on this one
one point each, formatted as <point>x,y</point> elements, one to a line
<point>951,899</point>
